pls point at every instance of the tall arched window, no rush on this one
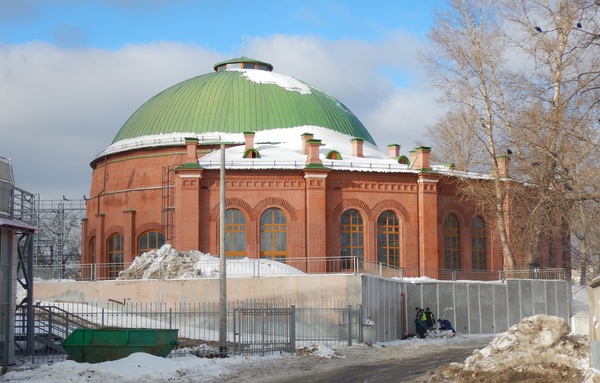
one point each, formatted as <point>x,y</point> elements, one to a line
<point>478,245</point>
<point>115,254</point>
<point>235,234</point>
<point>451,242</point>
<point>388,238</point>
<point>150,240</point>
<point>351,237</point>
<point>273,234</point>
<point>92,250</point>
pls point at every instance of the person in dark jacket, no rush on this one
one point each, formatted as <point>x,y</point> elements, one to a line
<point>446,325</point>
<point>420,322</point>
<point>430,319</point>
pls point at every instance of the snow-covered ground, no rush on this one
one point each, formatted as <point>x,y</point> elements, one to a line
<point>540,348</point>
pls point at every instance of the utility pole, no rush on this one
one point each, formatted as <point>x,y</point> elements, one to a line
<point>222,264</point>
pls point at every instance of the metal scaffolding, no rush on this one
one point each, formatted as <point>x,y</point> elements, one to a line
<point>58,241</point>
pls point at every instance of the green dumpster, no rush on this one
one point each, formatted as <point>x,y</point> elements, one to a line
<point>101,345</point>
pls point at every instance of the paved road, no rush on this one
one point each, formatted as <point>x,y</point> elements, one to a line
<point>392,371</point>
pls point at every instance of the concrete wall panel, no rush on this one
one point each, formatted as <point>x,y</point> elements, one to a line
<point>446,302</point>
<point>563,299</point>
<point>486,311</point>
<point>382,303</point>
<point>539,297</point>
<point>461,308</point>
<point>514,298</point>
<point>474,309</point>
<point>526,298</point>
<point>500,308</point>
<point>430,297</point>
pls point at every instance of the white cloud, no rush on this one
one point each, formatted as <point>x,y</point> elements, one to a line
<point>61,107</point>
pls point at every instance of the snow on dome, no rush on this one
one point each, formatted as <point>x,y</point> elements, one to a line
<point>168,263</point>
<point>287,82</point>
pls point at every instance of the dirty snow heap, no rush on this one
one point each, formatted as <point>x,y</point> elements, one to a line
<point>167,263</point>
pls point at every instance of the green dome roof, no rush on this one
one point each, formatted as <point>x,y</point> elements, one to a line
<point>235,99</point>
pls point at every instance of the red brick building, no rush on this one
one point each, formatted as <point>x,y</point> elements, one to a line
<point>304,180</point>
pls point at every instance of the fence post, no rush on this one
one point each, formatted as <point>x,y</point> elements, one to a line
<point>453,275</point>
<point>170,319</point>
<point>349,315</point>
<point>235,334</point>
<point>292,328</point>
<point>360,324</point>
<point>263,332</point>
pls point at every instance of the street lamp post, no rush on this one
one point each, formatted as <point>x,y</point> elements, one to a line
<point>222,264</point>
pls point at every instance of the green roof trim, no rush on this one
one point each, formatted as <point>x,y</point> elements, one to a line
<point>229,102</point>
<point>315,166</point>
<point>189,165</point>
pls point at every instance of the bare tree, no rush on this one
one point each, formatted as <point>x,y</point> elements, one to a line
<point>557,129</point>
<point>523,76</point>
<point>466,64</point>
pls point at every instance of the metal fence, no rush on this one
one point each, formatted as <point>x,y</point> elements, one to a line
<point>254,327</point>
<point>263,267</point>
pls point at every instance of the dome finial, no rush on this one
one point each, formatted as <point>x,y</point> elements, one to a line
<point>243,47</point>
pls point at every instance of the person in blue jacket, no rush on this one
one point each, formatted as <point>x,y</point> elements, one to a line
<point>446,325</point>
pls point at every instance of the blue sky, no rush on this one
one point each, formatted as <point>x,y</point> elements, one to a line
<point>73,71</point>
<point>217,25</point>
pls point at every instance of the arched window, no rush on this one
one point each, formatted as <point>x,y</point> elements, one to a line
<point>388,238</point>
<point>115,255</point>
<point>150,240</point>
<point>273,235</point>
<point>251,153</point>
<point>478,245</point>
<point>333,155</point>
<point>235,234</point>
<point>451,242</point>
<point>92,250</point>
<point>351,237</point>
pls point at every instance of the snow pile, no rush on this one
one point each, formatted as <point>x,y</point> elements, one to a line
<point>168,263</point>
<point>320,351</point>
<point>538,349</point>
<point>441,334</point>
